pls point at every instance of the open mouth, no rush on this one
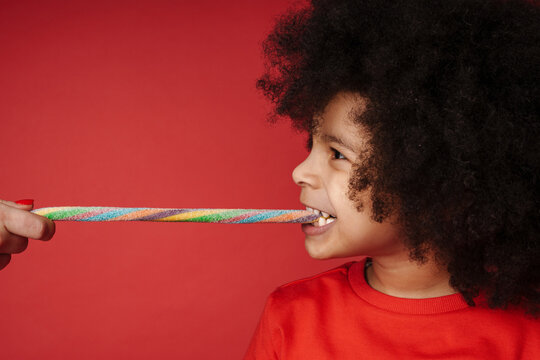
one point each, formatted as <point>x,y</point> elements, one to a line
<point>324,218</point>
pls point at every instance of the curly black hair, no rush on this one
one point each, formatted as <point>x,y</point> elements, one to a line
<point>453,90</point>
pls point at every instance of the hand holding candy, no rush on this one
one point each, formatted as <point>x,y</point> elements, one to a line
<point>17,224</point>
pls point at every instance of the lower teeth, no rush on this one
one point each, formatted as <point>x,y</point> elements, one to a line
<point>324,221</point>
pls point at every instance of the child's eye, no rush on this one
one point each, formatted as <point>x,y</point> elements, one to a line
<point>338,155</point>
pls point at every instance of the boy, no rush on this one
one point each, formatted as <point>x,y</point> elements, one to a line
<point>423,120</point>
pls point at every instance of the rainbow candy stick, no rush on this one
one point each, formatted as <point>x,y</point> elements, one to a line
<point>226,216</point>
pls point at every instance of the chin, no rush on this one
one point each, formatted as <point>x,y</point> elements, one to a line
<point>317,254</point>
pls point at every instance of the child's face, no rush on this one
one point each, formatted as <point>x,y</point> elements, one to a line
<point>324,179</point>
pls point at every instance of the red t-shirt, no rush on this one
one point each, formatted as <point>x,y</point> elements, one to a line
<point>337,315</point>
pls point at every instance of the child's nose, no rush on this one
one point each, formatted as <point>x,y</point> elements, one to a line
<point>305,174</point>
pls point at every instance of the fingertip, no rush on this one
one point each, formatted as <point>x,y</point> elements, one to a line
<point>50,230</point>
<point>25,207</point>
<point>25,204</point>
<point>4,260</point>
<point>20,246</point>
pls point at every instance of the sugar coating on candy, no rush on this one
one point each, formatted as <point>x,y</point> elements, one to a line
<point>225,216</point>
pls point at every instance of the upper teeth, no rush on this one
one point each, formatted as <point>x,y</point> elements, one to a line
<point>318,212</point>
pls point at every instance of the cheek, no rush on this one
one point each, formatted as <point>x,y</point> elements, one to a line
<point>356,225</point>
<point>339,189</point>
<point>356,204</point>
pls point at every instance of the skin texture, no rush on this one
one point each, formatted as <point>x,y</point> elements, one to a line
<point>17,224</point>
<point>324,180</point>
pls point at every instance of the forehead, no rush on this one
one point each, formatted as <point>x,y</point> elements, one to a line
<point>337,121</point>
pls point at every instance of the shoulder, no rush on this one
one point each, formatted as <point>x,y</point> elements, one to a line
<point>337,276</point>
<point>315,288</point>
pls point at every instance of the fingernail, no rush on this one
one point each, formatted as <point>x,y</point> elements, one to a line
<point>25,202</point>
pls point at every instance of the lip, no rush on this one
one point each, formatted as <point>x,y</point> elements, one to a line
<point>310,229</point>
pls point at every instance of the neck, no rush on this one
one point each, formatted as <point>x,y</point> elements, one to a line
<point>398,276</point>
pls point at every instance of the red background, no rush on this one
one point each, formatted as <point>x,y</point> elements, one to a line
<point>153,104</point>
